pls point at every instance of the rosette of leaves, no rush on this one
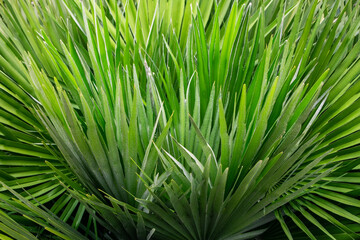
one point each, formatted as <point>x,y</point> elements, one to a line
<point>164,119</point>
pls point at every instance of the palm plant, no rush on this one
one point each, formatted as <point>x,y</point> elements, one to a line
<point>164,119</point>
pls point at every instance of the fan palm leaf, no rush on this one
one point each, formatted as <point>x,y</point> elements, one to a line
<point>179,119</point>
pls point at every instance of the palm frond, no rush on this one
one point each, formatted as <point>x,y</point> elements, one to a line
<point>179,119</point>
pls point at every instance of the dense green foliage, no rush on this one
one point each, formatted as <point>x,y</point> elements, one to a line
<point>179,119</point>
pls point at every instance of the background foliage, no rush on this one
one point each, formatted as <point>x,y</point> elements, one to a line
<point>170,119</point>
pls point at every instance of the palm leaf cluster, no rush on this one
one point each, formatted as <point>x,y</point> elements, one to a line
<point>164,119</point>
